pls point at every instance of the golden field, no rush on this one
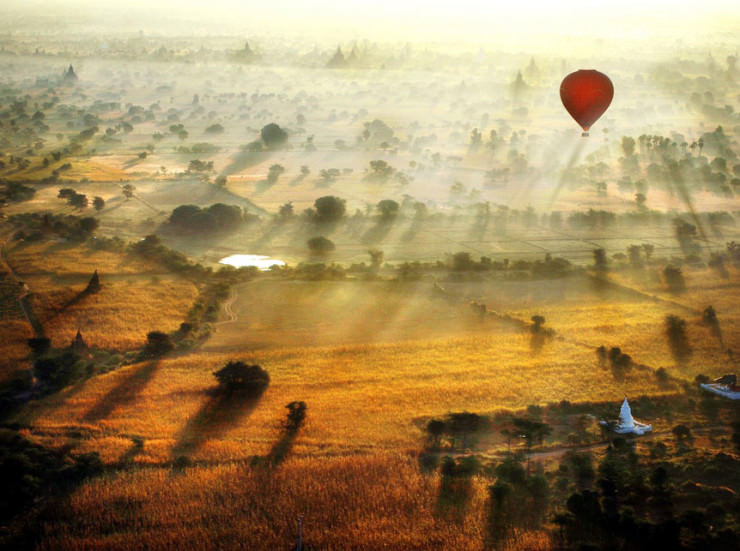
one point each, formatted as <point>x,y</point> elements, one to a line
<point>68,259</point>
<point>374,502</point>
<point>13,349</point>
<point>119,316</point>
<point>363,398</point>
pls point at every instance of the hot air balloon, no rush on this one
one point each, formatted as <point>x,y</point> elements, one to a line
<point>586,94</point>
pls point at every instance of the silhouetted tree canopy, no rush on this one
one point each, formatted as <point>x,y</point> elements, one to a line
<point>158,344</point>
<point>320,245</point>
<point>329,209</point>
<point>237,376</point>
<point>272,135</point>
<point>217,217</point>
<point>388,209</point>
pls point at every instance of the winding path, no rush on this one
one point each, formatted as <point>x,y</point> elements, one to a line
<point>228,310</point>
<point>24,297</point>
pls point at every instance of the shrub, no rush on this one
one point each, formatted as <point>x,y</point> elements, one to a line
<point>320,245</point>
<point>158,344</point>
<point>237,376</point>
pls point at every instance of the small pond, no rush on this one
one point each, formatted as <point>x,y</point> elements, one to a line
<point>260,261</point>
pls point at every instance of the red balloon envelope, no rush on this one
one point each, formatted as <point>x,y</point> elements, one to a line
<point>586,94</point>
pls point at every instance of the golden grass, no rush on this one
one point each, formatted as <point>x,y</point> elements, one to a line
<point>119,316</point>
<point>65,259</point>
<point>360,397</point>
<point>14,351</point>
<point>96,171</point>
<point>639,328</point>
<point>374,502</point>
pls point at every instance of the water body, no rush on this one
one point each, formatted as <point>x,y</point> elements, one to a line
<point>260,261</point>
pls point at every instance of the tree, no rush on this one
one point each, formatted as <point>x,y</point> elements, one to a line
<point>39,345</point>
<point>128,191</point>
<point>674,279</point>
<point>677,340</point>
<point>272,135</point>
<point>435,428</point>
<point>157,344</point>
<point>681,432</point>
<point>329,209</point>
<point>709,316</point>
<point>274,173</point>
<point>215,129</point>
<point>634,255</point>
<point>196,165</point>
<point>183,215</point>
<point>537,323</point>
<point>88,225</point>
<point>628,146</point>
<point>376,259</point>
<point>79,200</point>
<point>239,377</point>
<point>599,260</point>
<point>99,203</point>
<point>286,211</point>
<point>380,170</point>
<point>296,416</point>
<point>320,245</point>
<point>463,424</point>
<point>388,209</point>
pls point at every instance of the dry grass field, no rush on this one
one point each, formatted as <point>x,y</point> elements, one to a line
<point>137,296</point>
<point>361,398</point>
<point>480,159</point>
<point>62,259</point>
<point>373,502</point>
<point>13,348</point>
<point>116,318</point>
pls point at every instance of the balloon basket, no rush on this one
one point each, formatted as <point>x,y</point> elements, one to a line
<point>584,134</point>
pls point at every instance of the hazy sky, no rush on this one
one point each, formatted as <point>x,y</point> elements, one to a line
<point>475,20</point>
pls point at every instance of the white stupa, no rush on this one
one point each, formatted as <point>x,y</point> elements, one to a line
<point>627,424</point>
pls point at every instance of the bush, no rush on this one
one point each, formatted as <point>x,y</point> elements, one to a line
<point>273,135</point>
<point>158,344</point>
<point>329,209</point>
<point>320,245</point>
<point>237,376</point>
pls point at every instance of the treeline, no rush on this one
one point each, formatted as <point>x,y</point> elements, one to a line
<point>37,226</point>
<point>668,496</point>
<point>217,218</point>
<point>33,476</point>
<point>15,192</point>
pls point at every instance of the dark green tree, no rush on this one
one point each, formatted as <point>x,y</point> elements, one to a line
<point>242,378</point>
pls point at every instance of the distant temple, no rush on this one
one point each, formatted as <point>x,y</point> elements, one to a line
<point>245,55</point>
<point>79,346</point>
<point>337,61</point>
<point>626,424</point>
<point>93,286</point>
<point>69,75</point>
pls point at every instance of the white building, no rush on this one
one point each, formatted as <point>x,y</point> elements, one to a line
<point>626,424</point>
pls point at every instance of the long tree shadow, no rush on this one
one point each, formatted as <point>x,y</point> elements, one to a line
<point>296,416</point>
<point>124,393</point>
<point>220,412</point>
<point>678,342</point>
<point>127,458</point>
<point>377,233</point>
<point>455,487</point>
